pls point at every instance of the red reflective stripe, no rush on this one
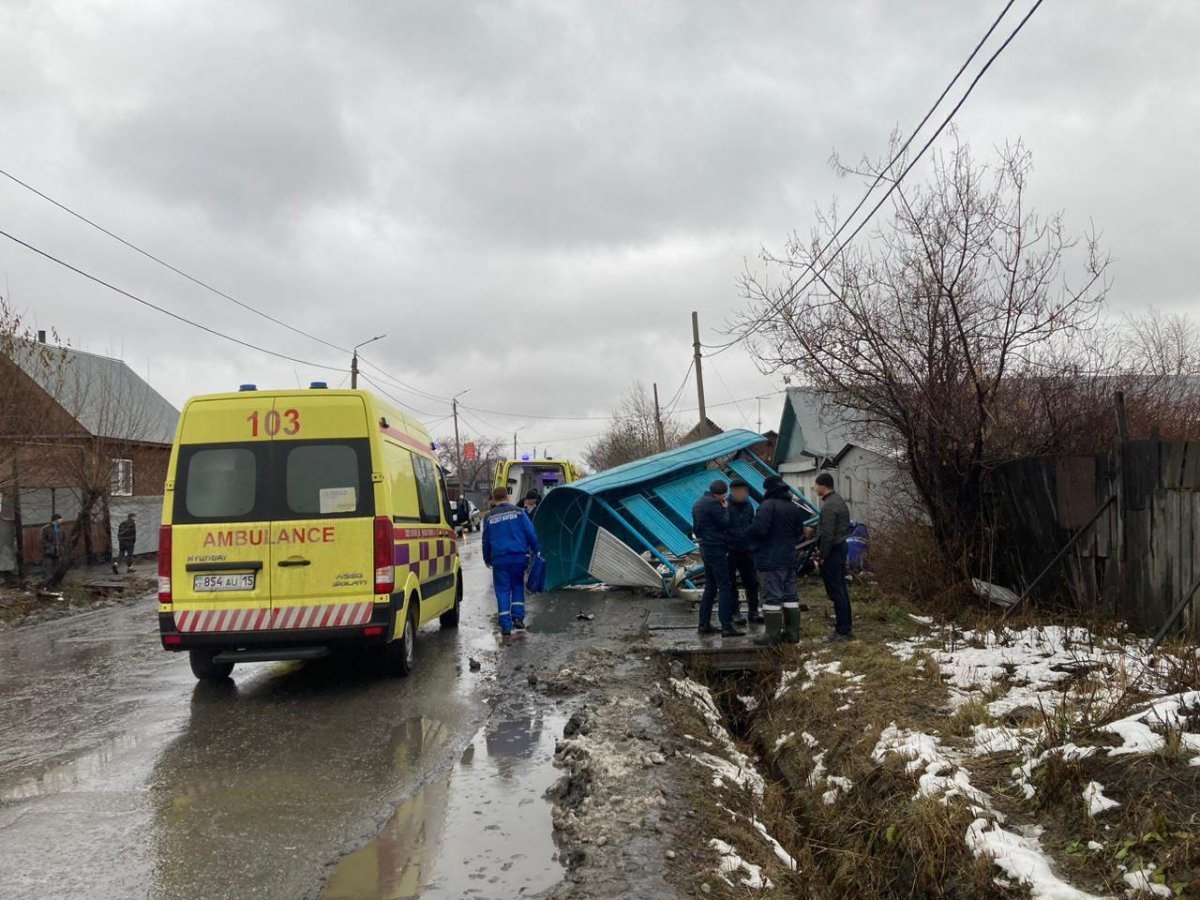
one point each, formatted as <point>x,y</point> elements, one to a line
<point>325,618</point>
<point>264,619</point>
<point>219,622</point>
<point>403,438</point>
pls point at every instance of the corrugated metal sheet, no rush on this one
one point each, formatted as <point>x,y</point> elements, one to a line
<point>662,464</point>
<point>615,563</point>
<point>103,395</point>
<point>647,514</point>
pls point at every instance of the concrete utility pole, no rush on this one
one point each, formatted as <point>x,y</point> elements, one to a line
<point>696,356</point>
<point>457,443</point>
<point>354,360</point>
<point>514,456</point>
<point>662,437</point>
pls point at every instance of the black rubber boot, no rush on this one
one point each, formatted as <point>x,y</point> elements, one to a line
<point>773,632</point>
<point>791,624</point>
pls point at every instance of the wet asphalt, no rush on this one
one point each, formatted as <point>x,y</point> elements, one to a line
<point>121,776</point>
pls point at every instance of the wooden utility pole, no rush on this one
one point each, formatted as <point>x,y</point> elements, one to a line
<point>662,437</point>
<point>1122,421</point>
<point>696,356</point>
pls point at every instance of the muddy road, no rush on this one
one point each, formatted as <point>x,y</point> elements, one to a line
<point>120,776</point>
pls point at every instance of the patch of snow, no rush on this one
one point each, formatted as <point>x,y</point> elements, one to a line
<point>1001,740</point>
<point>918,748</point>
<point>1139,883</point>
<point>738,768</point>
<point>921,620</point>
<point>809,740</point>
<point>725,771</point>
<point>750,703</point>
<point>1093,796</point>
<point>1023,859</point>
<point>1138,736</point>
<point>732,864</point>
<point>1095,845</point>
<point>817,774</point>
<point>782,855</point>
<point>783,739</point>
<point>844,707</point>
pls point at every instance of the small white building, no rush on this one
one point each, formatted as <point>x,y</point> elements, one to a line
<point>814,438</point>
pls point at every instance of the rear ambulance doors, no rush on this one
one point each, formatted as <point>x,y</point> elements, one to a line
<point>272,519</point>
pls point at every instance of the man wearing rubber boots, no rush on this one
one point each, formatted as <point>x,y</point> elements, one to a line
<point>508,540</point>
<point>777,530</point>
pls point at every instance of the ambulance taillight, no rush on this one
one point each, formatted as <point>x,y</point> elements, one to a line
<point>164,564</point>
<point>385,556</point>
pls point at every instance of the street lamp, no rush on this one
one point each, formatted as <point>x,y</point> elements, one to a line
<point>354,360</point>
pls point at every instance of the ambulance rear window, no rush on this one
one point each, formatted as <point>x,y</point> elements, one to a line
<point>221,483</point>
<point>322,480</point>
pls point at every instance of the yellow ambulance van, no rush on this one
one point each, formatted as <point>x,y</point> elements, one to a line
<point>300,522</point>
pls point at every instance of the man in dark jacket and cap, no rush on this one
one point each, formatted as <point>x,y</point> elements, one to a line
<point>710,524</point>
<point>777,530</point>
<point>832,531</point>
<point>741,552</point>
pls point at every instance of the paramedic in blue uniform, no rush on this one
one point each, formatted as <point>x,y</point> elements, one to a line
<point>508,541</point>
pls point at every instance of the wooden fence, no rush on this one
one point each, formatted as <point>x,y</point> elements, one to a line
<point>1140,556</point>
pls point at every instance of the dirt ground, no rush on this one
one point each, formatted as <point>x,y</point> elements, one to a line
<point>84,588</point>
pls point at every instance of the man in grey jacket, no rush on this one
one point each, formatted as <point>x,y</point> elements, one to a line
<point>832,531</point>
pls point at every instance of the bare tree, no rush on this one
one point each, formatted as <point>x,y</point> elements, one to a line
<point>932,329</point>
<point>488,452</point>
<point>633,433</point>
<point>26,412</point>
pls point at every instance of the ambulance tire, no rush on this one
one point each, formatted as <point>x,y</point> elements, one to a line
<point>449,619</point>
<point>401,653</point>
<point>205,669</point>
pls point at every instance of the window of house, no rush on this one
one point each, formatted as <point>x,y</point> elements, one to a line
<point>849,483</point>
<point>122,478</point>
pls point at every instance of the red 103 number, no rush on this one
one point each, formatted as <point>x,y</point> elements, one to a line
<point>272,422</point>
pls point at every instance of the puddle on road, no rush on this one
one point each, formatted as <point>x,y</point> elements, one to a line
<point>484,831</point>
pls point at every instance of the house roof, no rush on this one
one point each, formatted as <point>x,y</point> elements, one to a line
<point>694,434</point>
<point>810,425</point>
<point>102,394</point>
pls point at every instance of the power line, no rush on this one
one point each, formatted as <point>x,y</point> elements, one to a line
<point>678,395</point>
<point>721,348</point>
<point>395,399</point>
<point>167,312</point>
<point>162,262</point>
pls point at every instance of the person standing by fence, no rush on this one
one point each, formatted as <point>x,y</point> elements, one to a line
<point>126,541</point>
<point>55,551</point>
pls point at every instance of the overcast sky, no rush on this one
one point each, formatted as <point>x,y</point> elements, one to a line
<point>529,198</point>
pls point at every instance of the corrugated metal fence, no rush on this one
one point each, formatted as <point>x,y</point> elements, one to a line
<point>1138,559</point>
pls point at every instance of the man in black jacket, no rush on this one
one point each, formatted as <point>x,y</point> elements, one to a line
<point>741,552</point>
<point>710,524</point>
<point>777,530</point>
<point>832,531</point>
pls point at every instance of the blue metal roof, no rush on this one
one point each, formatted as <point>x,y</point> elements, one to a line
<point>667,463</point>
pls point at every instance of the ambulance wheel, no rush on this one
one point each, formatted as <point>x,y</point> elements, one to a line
<point>402,651</point>
<point>449,619</point>
<point>205,669</point>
